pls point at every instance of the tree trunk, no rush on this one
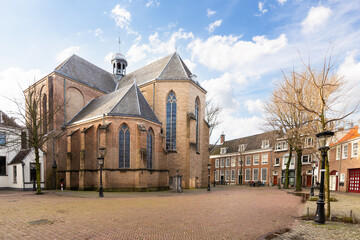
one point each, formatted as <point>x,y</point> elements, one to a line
<point>38,175</point>
<point>286,182</point>
<point>327,187</point>
<point>298,170</point>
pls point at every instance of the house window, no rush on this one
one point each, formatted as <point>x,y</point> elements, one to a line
<point>2,166</point>
<point>338,152</point>
<point>233,175</point>
<point>265,144</point>
<point>248,160</point>
<point>2,138</point>
<point>345,151</point>
<point>227,177</point>
<point>240,161</point>
<point>256,159</point>
<point>14,174</point>
<point>309,142</point>
<point>284,145</point>
<point>264,158</point>
<point>124,147</point>
<point>277,162</point>
<point>171,121</point>
<point>247,174</point>
<point>227,162</point>
<point>275,173</point>
<point>264,174</point>
<point>216,163</point>
<point>255,174</point>
<point>306,159</point>
<point>32,172</point>
<point>221,172</point>
<point>222,162</point>
<point>197,103</point>
<point>354,149</point>
<point>149,146</point>
<point>217,175</point>
<point>241,147</point>
<point>280,146</point>
<point>233,162</point>
<point>342,177</point>
<point>223,150</point>
<point>309,172</point>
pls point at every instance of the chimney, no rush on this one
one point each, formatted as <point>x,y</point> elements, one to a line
<point>222,138</point>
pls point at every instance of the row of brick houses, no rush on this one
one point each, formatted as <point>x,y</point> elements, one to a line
<point>261,157</point>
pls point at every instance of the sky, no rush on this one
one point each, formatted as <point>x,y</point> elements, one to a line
<point>237,48</point>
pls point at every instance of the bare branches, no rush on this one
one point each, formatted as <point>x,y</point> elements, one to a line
<point>212,112</point>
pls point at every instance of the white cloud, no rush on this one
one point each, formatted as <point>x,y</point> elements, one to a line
<point>210,12</point>
<point>255,106</point>
<point>213,25</point>
<point>121,16</point>
<point>190,64</point>
<point>15,80</point>
<point>261,8</point>
<point>108,57</point>
<point>151,3</point>
<point>282,1</point>
<point>64,54</point>
<point>98,32</point>
<point>317,17</point>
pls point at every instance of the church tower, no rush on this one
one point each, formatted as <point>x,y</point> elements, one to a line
<point>119,63</point>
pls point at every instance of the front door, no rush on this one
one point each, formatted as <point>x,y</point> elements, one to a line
<point>221,179</point>
<point>308,180</point>
<point>354,180</point>
<point>275,180</point>
<point>333,181</point>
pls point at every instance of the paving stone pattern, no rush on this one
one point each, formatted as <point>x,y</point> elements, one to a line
<point>226,213</point>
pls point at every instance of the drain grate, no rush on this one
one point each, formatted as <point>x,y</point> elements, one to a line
<point>41,221</point>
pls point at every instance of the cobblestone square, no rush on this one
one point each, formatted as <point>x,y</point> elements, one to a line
<point>230,212</point>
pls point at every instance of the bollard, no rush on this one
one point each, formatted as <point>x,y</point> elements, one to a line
<point>62,186</point>
<point>307,214</point>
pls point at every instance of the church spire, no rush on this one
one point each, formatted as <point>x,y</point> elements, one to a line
<point>119,63</point>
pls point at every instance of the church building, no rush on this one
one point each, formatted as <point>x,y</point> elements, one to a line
<point>150,123</point>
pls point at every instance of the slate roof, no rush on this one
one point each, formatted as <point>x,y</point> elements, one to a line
<point>6,121</point>
<point>20,156</point>
<point>126,101</point>
<point>171,67</point>
<point>252,143</point>
<point>85,72</point>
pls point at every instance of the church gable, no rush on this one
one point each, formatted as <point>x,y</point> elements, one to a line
<point>175,69</point>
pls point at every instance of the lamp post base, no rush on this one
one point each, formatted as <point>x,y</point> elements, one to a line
<point>320,212</point>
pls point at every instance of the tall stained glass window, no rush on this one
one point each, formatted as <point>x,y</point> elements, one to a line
<point>124,146</point>
<point>171,121</point>
<point>149,146</point>
<point>197,123</point>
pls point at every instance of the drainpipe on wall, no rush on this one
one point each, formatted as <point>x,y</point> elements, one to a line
<point>23,175</point>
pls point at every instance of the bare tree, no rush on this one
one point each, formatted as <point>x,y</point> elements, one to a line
<point>319,92</point>
<point>212,112</point>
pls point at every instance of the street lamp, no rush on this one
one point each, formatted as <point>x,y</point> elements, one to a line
<point>324,140</point>
<point>209,166</point>
<point>102,151</point>
<point>312,178</point>
<point>214,177</point>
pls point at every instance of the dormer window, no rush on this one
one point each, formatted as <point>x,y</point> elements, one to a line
<point>223,150</point>
<point>242,147</point>
<point>265,144</point>
<point>280,146</point>
<point>309,142</point>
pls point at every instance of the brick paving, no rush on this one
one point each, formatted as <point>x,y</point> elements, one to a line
<point>230,212</point>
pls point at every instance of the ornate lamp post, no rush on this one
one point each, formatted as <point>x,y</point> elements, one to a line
<point>312,178</point>
<point>209,166</point>
<point>324,139</point>
<point>102,151</point>
<point>214,178</point>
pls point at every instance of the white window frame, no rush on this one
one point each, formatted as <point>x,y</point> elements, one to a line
<point>265,144</point>
<point>338,152</point>
<point>308,161</point>
<point>256,157</point>
<point>227,162</point>
<point>309,142</point>
<point>217,163</point>
<point>223,150</point>
<point>275,173</point>
<point>342,177</point>
<point>233,162</point>
<point>345,153</point>
<point>352,149</point>
<point>254,174</point>
<point>217,175</point>
<point>277,164</point>
<point>281,146</point>
<point>262,178</point>
<point>309,172</point>
<point>222,172</point>
<point>266,156</point>
<point>227,175</point>
<point>240,159</point>
<point>248,158</point>
<point>241,148</point>
<point>233,175</point>
<point>247,174</point>
<point>222,162</point>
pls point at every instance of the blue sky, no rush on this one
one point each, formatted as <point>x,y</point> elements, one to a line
<point>236,48</point>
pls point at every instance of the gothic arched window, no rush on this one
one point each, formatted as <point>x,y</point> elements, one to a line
<point>124,146</point>
<point>171,121</point>
<point>197,103</point>
<point>149,148</point>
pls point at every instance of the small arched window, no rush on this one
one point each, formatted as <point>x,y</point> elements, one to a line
<point>124,146</point>
<point>149,148</point>
<point>171,121</point>
<point>197,104</point>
